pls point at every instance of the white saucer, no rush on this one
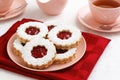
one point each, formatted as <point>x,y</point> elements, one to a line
<point>11,14</point>
<point>85,17</point>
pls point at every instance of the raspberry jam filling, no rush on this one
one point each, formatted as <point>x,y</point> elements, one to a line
<point>39,51</point>
<point>64,35</point>
<point>50,27</point>
<point>60,51</point>
<point>32,30</point>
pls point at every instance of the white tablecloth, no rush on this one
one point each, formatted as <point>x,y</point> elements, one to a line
<point>107,67</point>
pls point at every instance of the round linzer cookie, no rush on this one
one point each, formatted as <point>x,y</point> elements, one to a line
<point>65,37</point>
<point>17,47</point>
<point>30,30</point>
<point>64,56</point>
<point>39,53</point>
<point>50,24</point>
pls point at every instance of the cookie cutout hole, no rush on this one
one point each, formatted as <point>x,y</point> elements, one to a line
<point>50,27</point>
<point>64,35</point>
<point>39,51</point>
<point>60,51</point>
<point>32,30</point>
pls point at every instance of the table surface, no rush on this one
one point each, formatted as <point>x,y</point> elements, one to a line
<point>107,67</point>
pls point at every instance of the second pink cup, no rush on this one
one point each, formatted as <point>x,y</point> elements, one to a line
<point>52,7</point>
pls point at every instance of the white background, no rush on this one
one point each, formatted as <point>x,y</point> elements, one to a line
<point>107,67</point>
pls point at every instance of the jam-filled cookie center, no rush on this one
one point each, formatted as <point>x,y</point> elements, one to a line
<point>60,51</point>
<point>39,51</point>
<point>64,35</point>
<point>32,30</point>
<point>50,27</point>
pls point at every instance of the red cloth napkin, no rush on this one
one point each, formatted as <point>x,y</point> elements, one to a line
<point>80,71</point>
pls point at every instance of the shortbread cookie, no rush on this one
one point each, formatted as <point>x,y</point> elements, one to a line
<point>39,53</point>
<point>64,56</point>
<point>30,30</point>
<point>65,37</point>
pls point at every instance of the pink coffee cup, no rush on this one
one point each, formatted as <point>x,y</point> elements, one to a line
<point>5,5</point>
<point>105,11</point>
<point>52,7</point>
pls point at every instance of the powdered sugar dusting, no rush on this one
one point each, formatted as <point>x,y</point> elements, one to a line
<point>76,35</point>
<point>17,45</point>
<point>67,54</point>
<point>26,53</point>
<point>21,30</point>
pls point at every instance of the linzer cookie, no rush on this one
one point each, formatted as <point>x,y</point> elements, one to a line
<point>64,56</point>
<point>30,30</point>
<point>17,47</point>
<point>51,24</point>
<point>39,53</point>
<point>65,37</point>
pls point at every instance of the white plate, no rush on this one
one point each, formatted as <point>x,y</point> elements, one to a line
<point>79,54</point>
